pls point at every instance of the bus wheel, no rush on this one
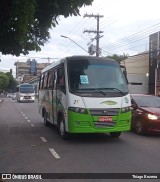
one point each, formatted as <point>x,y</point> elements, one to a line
<point>46,123</point>
<point>115,134</point>
<point>62,129</point>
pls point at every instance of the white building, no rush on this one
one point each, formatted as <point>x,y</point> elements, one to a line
<point>138,73</point>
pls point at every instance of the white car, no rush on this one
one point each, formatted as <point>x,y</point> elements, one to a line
<point>14,96</point>
<point>9,95</point>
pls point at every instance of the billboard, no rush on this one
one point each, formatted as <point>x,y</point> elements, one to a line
<point>33,67</point>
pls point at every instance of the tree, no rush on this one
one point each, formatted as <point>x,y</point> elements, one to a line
<point>7,82</point>
<point>118,58</point>
<point>4,81</point>
<point>12,83</point>
<point>25,24</point>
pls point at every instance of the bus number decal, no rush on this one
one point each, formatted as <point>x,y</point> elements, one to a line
<point>76,101</point>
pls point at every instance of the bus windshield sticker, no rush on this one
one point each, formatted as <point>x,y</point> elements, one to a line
<point>84,79</point>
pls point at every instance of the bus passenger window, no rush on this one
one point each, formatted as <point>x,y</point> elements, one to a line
<point>45,80</point>
<point>61,79</point>
<point>50,78</point>
<point>41,81</point>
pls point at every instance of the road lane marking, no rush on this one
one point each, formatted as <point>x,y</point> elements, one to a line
<point>28,120</point>
<point>23,114</point>
<point>54,153</point>
<point>32,125</point>
<point>43,139</point>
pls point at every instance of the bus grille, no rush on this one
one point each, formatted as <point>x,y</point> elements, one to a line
<point>104,112</point>
<point>27,97</point>
<point>105,124</point>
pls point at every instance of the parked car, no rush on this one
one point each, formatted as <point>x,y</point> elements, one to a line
<point>9,95</point>
<point>145,113</point>
<point>14,96</point>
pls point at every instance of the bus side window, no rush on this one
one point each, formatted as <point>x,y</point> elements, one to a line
<point>50,78</point>
<point>41,81</point>
<point>61,79</point>
<point>45,80</point>
<point>55,80</point>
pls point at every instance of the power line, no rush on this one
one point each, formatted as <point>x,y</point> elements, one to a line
<point>129,47</point>
<point>110,23</point>
<point>135,36</point>
<point>141,38</point>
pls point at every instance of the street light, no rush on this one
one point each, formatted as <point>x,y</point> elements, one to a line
<point>73,42</point>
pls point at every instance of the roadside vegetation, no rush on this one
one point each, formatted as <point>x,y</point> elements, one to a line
<point>7,82</point>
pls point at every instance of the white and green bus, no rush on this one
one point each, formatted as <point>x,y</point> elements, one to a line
<point>82,94</point>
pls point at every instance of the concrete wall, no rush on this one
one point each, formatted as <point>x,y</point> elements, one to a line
<point>137,72</point>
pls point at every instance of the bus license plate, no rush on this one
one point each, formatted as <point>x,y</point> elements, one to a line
<point>105,119</point>
<point>27,97</point>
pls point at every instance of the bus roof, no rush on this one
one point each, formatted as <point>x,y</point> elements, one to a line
<point>24,84</point>
<point>54,64</point>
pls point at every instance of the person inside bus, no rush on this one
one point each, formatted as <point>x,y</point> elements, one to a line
<point>61,80</point>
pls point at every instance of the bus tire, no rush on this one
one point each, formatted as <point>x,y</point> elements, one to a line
<point>46,123</point>
<point>62,129</point>
<point>115,134</point>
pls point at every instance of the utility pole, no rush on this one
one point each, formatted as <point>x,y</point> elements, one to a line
<point>97,32</point>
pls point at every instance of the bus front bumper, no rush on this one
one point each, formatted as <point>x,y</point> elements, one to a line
<point>84,123</point>
<point>27,98</point>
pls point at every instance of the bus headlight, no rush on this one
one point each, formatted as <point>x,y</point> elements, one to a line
<point>125,109</point>
<point>78,110</point>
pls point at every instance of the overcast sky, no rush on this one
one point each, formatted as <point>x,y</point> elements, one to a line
<point>126,26</point>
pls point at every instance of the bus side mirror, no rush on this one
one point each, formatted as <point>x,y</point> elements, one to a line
<point>133,105</point>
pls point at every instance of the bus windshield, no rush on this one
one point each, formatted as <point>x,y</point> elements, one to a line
<point>96,74</point>
<point>26,89</point>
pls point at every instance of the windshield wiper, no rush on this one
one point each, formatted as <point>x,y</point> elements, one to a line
<point>119,91</point>
<point>116,89</point>
<point>100,91</point>
<point>144,106</point>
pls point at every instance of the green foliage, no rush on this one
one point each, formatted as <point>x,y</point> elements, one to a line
<point>7,82</point>
<point>4,81</point>
<point>118,58</point>
<point>12,83</point>
<point>25,24</point>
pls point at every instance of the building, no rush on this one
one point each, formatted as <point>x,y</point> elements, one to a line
<point>143,70</point>
<point>26,71</point>
<point>138,73</point>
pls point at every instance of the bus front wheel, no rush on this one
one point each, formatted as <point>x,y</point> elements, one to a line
<point>115,134</point>
<point>62,129</point>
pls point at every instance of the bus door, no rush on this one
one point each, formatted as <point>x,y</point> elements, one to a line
<point>54,98</point>
<point>49,94</point>
<point>60,94</point>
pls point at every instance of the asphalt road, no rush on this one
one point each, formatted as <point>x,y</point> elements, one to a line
<point>27,146</point>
